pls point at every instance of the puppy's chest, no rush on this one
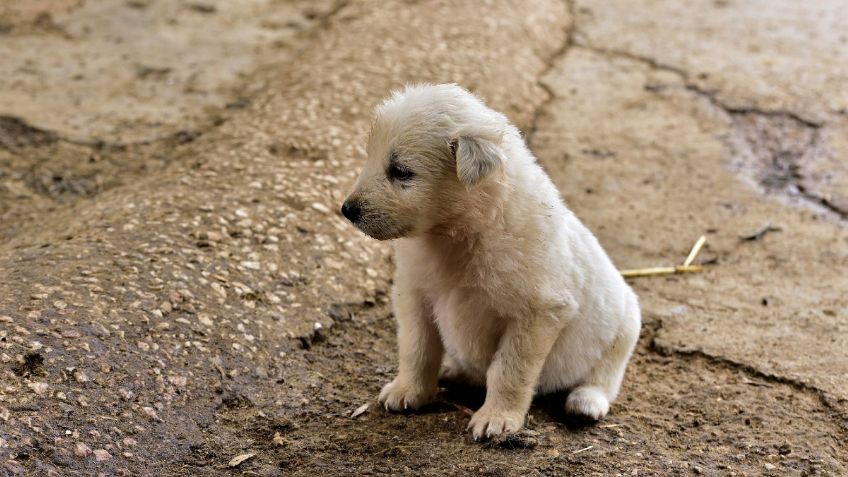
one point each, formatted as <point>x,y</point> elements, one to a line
<point>462,308</point>
<point>470,328</point>
<point>454,290</point>
<point>452,265</point>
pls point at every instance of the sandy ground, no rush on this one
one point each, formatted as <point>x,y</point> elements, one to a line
<point>178,295</point>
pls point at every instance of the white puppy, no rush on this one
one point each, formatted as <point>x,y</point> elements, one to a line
<point>493,270</point>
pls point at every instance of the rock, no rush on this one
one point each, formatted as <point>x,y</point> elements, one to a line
<point>205,319</point>
<point>237,460</point>
<point>71,333</point>
<point>38,388</point>
<point>101,455</point>
<point>250,265</point>
<point>80,376</point>
<point>359,411</point>
<point>82,450</point>
<point>151,413</point>
<point>320,207</point>
<point>14,468</point>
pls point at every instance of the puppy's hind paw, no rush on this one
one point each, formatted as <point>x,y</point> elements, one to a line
<point>588,403</point>
<point>400,395</point>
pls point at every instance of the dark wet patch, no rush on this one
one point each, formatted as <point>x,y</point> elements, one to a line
<point>152,72</point>
<point>59,185</point>
<point>32,365</point>
<point>234,399</point>
<point>16,134</point>
<point>202,8</point>
<point>775,152</point>
<point>523,439</point>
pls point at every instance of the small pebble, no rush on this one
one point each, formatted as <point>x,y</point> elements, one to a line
<point>101,454</point>
<point>38,388</point>
<point>82,450</point>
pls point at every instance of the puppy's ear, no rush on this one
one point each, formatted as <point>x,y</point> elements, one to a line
<point>476,158</point>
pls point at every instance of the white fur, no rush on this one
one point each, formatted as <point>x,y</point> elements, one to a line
<point>494,273</point>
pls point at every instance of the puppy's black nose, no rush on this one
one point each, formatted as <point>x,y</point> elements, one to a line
<point>351,210</point>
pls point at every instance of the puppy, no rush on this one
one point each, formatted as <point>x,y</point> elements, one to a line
<point>494,274</point>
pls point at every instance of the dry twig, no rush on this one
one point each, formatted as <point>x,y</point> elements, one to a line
<point>655,271</point>
<point>695,249</point>
<point>582,450</point>
<point>760,233</point>
<point>687,266</point>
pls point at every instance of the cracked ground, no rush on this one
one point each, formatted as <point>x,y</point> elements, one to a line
<point>178,295</point>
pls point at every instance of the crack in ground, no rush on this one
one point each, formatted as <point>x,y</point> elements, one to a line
<point>768,147</point>
<point>834,410</point>
<point>549,66</point>
<point>711,96</point>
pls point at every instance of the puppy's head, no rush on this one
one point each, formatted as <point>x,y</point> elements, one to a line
<point>430,148</point>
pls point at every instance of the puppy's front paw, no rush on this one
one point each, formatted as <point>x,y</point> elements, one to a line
<point>488,422</point>
<point>400,394</point>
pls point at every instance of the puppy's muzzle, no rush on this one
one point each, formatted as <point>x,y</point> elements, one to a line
<point>352,210</point>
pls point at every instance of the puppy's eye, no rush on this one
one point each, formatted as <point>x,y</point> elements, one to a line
<point>399,173</point>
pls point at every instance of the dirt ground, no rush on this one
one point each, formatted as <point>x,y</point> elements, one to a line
<point>179,296</point>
